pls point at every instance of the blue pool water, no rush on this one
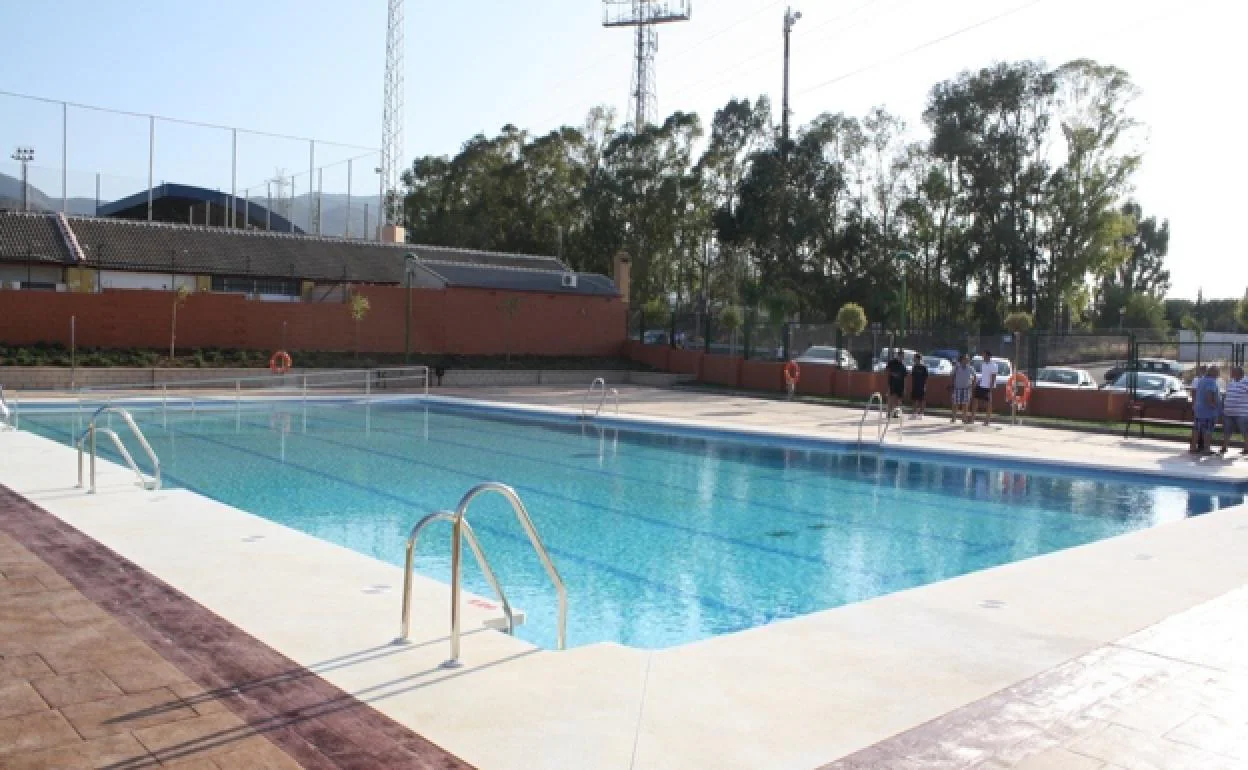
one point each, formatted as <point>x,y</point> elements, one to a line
<point>661,538</point>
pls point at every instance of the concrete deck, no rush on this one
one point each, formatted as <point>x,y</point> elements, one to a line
<point>795,694</point>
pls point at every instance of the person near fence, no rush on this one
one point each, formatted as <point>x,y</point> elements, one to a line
<point>1206,405</point>
<point>963,379</point>
<point>918,386</point>
<point>1235,410</point>
<point>896,369</point>
<point>984,388</point>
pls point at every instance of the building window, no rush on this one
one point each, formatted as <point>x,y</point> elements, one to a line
<point>285,287</point>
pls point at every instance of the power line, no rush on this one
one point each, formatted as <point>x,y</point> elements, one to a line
<point>181,121</point>
<point>921,46</point>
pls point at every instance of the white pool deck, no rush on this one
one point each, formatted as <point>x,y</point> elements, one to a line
<point>794,694</point>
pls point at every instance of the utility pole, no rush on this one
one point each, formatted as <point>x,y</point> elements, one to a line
<point>790,18</point>
<point>24,156</point>
<point>390,207</point>
<point>644,15</point>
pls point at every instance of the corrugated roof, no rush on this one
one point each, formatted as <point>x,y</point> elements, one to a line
<point>458,274</point>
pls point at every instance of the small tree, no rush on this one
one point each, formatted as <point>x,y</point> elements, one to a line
<point>851,319</point>
<point>1019,323</point>
<point>1197,328</point>
<point>359,307</point>
<point>509,308</point>
<point>179,299</point>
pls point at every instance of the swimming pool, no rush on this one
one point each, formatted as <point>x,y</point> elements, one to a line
<point>661,537</point>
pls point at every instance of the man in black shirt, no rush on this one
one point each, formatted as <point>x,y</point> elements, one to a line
<point>918,386</point>
<point>896,381</point>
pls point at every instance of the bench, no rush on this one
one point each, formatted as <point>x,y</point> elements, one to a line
<point>1159,414</point>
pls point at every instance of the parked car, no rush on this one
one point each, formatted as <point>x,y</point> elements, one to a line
<point>1004,368</point>
<point>886,355</point>
<point>1064,378</point>
<point>824,355</point>
<point>1161,387</point>
<point>656,337</point>
<point>949,354</point>
<point>1164,366</point>
<point>938,365</point>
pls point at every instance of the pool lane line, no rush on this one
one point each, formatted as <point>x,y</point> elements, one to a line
<point>663,523</point>
<point>974,511</point>
<point>779,476</point>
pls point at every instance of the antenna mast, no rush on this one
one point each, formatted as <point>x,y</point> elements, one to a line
<point>645,15</point>
<point>392,118</point>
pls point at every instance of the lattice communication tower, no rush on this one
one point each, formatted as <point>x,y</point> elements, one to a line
<point>392,117</point>
<point>644,15</point>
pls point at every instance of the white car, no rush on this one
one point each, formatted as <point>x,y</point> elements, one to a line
<point>823,355</point>
<point>886,355</point>
<point>1064,378</point>
<point>1004,369</point>
<point>938,366</point>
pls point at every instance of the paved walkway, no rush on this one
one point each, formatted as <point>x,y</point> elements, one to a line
<point>82,684</point>
<point>1172,697</point>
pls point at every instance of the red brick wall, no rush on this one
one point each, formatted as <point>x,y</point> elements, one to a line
<point>654,356</point>
<point>816,380</point>
<point>685,362</point>
<point>762,375</point>
<point>722,370</point>
<point>463,321</point>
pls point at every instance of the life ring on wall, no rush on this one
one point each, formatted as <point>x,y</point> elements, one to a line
<point>1013,395</point>
<point>280,362</point>
<point>792,373</point>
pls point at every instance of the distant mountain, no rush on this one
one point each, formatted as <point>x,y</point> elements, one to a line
<point>333,208</point>
<point>11,198</point>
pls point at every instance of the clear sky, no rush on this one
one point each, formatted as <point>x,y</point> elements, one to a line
<point>313,68</point>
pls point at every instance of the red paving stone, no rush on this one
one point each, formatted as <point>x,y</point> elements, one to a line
<point>81,685</point>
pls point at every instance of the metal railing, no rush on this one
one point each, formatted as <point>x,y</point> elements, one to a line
<point>356,380</point>
<point>8,415</point>
<point>88,437</point>
<point>885,419</point>
<point>460,525</point>
<point>602,400</point>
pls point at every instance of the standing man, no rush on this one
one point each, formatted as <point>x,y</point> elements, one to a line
<point>896,369</point>
<point>1235,409</point>
<point>963,379</point>
<point>984,388</point>
<point>918,386</point>
<point>1206,405</point>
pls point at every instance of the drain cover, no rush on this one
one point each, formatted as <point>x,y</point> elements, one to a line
<point>781,533</point>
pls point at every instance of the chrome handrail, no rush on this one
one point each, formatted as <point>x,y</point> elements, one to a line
<point>459,524</point>
<point>482,562</point>
<point>6,414</point>
<point>875,398</point>
<point>88,436</point>
<point>598,381</point>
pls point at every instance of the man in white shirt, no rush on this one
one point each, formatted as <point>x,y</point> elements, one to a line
<point>984,388</point>
<point>1235,409</point>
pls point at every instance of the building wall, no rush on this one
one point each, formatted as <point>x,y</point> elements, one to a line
<point>10,274</point>
<point>460,321</point>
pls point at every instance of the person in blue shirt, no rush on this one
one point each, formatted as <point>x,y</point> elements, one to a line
<point>1206,407</point>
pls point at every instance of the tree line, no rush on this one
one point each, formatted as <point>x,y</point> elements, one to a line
<point>1015,194</point>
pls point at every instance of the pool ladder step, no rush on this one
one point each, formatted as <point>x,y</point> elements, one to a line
<point>462,530</point>
<point>87,441</point>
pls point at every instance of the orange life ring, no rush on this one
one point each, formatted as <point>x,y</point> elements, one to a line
<point>792,373</point>
<point>280,362</point>
<point>1012,393</point>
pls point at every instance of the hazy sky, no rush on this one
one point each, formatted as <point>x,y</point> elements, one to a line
<point>313,68</point>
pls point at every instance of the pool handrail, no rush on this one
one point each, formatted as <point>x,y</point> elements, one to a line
<point>886,419</point>
<point>459,524</point>
<point>602,400</point>
<point>482,562</point>
<point>88,437</point>
<point>6,414</point>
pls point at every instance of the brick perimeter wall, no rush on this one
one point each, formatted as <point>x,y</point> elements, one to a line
<point>461,321</point>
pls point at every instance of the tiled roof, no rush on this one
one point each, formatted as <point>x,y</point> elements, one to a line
<point>121,244</point>
<point>31,238</point>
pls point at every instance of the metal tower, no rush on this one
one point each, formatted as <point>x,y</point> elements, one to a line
<point>392,117</point>
<point>644,15</point>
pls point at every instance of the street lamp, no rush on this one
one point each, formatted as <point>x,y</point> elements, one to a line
<point>409,261</point>
<point>24,156</point>
<point>905,258</point>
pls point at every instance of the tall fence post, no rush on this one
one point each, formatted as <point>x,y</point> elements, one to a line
<point>786,339</point>
<point>671,332</point>
<point>706,342</point>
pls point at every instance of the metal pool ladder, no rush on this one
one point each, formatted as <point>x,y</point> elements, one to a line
<point>88,438</point>
<point>599,383</point>
<point>7,414</point>
<point>885,420</point>
<point>460,529</point>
